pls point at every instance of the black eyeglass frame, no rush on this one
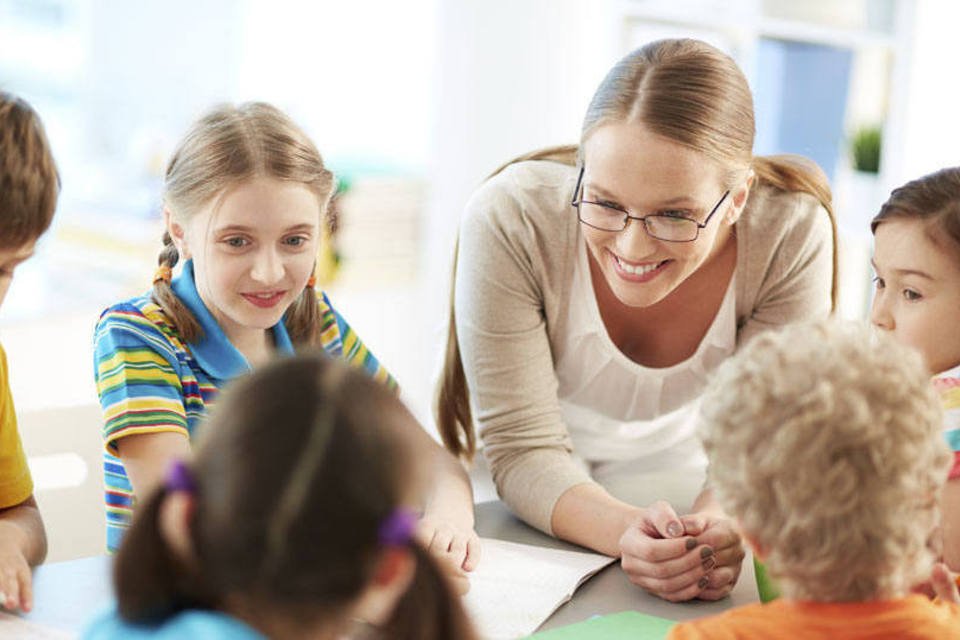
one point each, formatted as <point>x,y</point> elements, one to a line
<point>627,217</point>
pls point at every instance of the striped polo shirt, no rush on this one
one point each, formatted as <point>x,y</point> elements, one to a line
<point>947,385</point>
<point>150,380</point>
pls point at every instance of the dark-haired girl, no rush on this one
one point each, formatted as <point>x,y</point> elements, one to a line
<point>294,520</point>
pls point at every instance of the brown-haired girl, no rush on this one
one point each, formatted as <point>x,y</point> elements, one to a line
<point>916,257</point>
<point>245,194</point>
<point>292,521</point>
<point>597,287</point>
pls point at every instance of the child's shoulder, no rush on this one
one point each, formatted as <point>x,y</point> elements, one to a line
<point>108,625</point>
<point>755,620</point>
<point>139,315</point>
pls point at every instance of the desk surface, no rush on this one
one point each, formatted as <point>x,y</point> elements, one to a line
<point>609,591</point>
<point>66,594</point>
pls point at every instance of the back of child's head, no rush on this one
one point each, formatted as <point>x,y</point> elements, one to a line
<point>294,478</point>
<point>29,183</point>
<point>824,442</point>
<point>933,198</point>
<point>227,147</point>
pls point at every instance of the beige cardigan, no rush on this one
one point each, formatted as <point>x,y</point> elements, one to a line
<point>517,251</point>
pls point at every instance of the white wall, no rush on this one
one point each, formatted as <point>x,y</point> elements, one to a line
<point>930,137</point>
<point>513,76</point>
<point>357,74</point>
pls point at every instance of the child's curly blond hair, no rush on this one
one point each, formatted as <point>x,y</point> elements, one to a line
<point>824,442</point>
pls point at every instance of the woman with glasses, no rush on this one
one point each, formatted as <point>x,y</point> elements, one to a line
<point>596,288</point>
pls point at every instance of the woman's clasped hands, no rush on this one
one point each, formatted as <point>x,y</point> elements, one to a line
<point>679,558</point>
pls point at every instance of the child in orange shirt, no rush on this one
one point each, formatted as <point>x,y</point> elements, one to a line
<point>29,186</point>
<point>824,442</point>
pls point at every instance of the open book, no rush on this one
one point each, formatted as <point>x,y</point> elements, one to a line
<point>517,586</point>
<point>12,626</point>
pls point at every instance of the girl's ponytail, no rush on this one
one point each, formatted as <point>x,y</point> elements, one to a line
<point>303,318</point>
<point>150,581</point>
<point>428,610</point>
<point>183,321</point>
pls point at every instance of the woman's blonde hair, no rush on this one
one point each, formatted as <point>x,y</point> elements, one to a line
<point>825,442</point>
<point>228,146</point>
<point>684,90</point>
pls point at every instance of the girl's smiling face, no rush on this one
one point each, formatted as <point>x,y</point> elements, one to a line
<point>253,250</point>
<point>917,294</point>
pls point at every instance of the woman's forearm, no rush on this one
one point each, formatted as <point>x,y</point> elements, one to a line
<point>589,516</point>
<point>706,502</point>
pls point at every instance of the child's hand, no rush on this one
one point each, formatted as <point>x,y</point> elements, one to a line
<point>15,577</point>
<point>944,583</point>
<point>456,549</point>
<point>661,556</point>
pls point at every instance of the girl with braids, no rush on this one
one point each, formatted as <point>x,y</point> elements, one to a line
<point>302,536</point>
<point>245,194</point>
<point>596,288</point>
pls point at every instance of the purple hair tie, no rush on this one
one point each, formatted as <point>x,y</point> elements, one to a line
<point>398,527</point>
<point>179,477</point>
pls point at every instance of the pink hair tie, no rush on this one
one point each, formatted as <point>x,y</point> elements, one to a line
<point>398,527</point>
<point>179,478</point>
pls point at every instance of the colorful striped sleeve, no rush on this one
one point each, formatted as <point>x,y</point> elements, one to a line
<point>352,348</point>
<point>949,389</point>
<point>137,377</point>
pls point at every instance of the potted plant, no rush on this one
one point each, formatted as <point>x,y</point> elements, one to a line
<point>865,148</point>
<point>858,188</point>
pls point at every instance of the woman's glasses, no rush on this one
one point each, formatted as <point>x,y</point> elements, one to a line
<point>669,227</point>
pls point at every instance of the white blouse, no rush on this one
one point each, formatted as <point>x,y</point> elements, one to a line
<point>634,427</point>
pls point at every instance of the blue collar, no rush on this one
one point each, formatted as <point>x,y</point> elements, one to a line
<point>214,352</point>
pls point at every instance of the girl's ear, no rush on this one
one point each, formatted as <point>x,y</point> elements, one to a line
<point>174,519</point>
<point>177,234</point>
<point>396,567</point>
<point>739,197</point>
<point>394,573</point>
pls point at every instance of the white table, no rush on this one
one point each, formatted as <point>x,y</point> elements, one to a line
<point>609,591</point>
<point>66,594</point>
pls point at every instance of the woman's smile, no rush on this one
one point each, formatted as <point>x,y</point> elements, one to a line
<point>638,271</point>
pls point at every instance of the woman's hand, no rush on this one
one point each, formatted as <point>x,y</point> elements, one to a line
<point>677,559</point>
<point>455,548</point>
<point>719,534</point>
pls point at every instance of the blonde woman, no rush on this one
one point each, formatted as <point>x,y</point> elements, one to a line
<point>824,442</point>
<point>598,286</point>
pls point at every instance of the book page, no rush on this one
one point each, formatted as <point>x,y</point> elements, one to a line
<point>12,627</point>
<point>517,586</point>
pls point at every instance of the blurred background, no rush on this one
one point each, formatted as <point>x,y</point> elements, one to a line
<point>411,104</point>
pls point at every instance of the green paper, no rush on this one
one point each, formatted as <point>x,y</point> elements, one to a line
<point>766,587</point>
<point>626,624</point>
